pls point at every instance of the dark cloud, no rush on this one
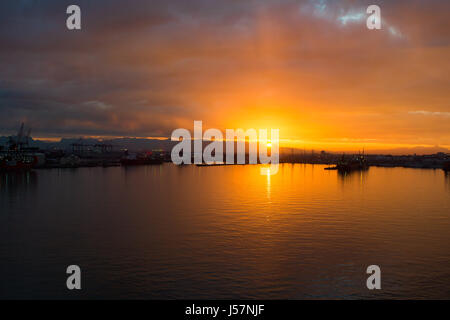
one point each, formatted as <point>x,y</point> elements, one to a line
<point>142,68</point>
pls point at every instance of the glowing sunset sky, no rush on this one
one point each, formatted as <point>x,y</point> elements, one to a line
<point>310,68</point>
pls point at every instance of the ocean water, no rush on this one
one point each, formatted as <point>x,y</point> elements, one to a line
<point>168,232</point>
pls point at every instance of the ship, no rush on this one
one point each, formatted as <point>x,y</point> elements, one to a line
<point>446,166</point>
<point>16,162</point>
<point>16,157</point>
<point>352,163</point>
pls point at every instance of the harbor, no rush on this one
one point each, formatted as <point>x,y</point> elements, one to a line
<point>20,153</point>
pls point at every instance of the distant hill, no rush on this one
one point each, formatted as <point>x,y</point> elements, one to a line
<point>143,144</point>
<point>413,150</point>
<point>132,144</point>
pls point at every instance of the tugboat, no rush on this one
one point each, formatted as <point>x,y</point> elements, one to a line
<point>139,159</point>
<point>354,163</point>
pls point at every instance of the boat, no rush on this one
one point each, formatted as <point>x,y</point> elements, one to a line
<point>139,162</point>
<point>446,166</point>
<point>16,158</point>
<point>212,164</point>
<point>71,161</point>
<point>140,159</point>
<point>353,163</point>
<point>16,162</point>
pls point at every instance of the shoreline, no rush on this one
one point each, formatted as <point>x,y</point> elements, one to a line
<point>435,167</point>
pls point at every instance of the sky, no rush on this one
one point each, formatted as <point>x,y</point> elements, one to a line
<point>312,69</point>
